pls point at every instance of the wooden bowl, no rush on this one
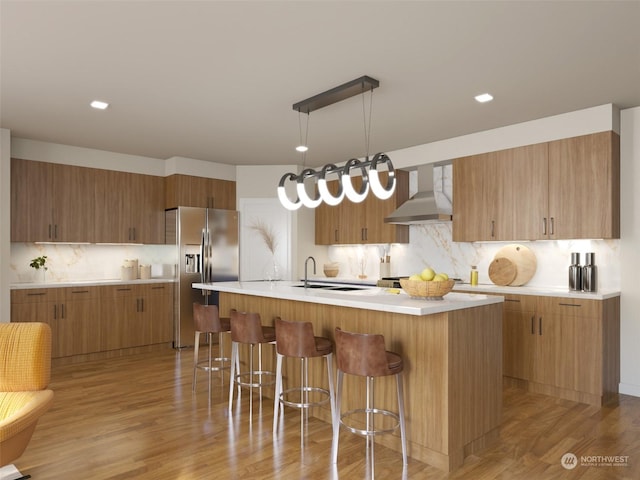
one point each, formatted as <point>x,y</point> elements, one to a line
<point>331,270</point>
<point>426,290</point>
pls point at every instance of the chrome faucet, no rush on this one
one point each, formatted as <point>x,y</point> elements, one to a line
<point>306,283</point>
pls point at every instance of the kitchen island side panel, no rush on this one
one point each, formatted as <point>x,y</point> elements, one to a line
<point>452,370</point>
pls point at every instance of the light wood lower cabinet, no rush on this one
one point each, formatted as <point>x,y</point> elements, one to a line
<point>136,315</point>
<point>92,319</point>
<point>70,312</point>
<point>562,346</point>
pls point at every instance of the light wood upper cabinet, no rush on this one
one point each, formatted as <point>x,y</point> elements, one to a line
<point>565,189</point>
<point>51,202</point>
<point>584,187</point>
<point>362,223</point>
<point>129,207</point>
<point>192,191</point>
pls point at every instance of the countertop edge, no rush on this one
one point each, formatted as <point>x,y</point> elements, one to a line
<point>537,291</point>
<point>89,283</point>
<point>376,298</point>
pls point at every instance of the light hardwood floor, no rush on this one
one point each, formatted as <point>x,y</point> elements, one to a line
<point>136,417</point>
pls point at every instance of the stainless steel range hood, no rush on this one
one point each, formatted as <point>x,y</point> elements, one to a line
<point>433,202</point>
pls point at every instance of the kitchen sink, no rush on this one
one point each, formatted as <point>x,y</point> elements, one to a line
<point>314,286</point>
<point>331,287</point>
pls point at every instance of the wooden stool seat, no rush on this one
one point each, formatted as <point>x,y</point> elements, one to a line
<point>206,319</point>
<point>247,328</point>
<point>365,355</point>
<point>296,340</point>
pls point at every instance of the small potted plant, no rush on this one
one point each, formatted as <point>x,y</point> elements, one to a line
<point>40,263</point>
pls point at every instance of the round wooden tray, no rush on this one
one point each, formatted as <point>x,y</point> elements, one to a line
<point>523,259</point>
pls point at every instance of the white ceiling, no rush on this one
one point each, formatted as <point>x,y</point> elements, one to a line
<point>216,81</point>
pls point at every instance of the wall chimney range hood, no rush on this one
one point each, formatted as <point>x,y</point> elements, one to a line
<point>433,202</point>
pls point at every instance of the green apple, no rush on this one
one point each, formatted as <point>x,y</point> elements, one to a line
<point>428,274</point>
<point>415,277</point>
<point>439,278</point>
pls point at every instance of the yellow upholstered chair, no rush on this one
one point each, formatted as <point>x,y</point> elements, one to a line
<point>25,371</point>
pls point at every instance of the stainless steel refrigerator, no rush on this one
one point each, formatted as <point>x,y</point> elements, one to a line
<point>207,244</point>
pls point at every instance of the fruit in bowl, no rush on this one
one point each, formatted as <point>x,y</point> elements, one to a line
<point>427,284</point>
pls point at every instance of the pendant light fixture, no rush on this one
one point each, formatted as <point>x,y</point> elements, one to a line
<point>370,177</point>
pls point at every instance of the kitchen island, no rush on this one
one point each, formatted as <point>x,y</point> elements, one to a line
<point>452,351</point>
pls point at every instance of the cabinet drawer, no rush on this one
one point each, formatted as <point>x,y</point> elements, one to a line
<point>78,293</point>
<point>519,303</point>
<point>116,291</point>
<point>572,307</point>
<point>34,295</point>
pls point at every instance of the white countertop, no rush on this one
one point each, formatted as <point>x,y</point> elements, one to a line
<point>548,292</point>
<point>88,283</point>
<point>369,298</point>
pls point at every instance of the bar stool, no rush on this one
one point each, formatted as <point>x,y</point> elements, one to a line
<point>206,319</point>
<point>365,355</point>
<point>246,328</point>
<point>296,339</point>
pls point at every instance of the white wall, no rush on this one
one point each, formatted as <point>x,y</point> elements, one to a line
<point>85,157</point>
<point>261,182</point>
<point>5,221</point>
<point>571,124</point>
<point>630,250</point>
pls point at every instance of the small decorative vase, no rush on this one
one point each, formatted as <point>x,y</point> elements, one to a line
<point>272,271</point>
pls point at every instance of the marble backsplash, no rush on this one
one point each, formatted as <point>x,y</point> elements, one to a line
<point>68,263</point>
<point>431,245</point>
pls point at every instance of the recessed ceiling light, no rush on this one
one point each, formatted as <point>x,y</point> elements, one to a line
<point>484,97</point>
<point>302,148</point>
<point>99,105</point>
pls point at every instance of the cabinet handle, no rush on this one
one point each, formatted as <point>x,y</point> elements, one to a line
<point>157,288</point>
<point>335,235</point>
<point>62,311</point>
<point>129,236</point>
<point>540,326</point>
<point>55,231</point>
<point>533,331</point>
<point>79,291</point>
<point>544,226</point>
<point>512,300</point>
<point>50,237</point>
<point>493,228</point>
<point>123,289</point>
<point>551,232</point>
<point>569,304</point>
<point>36,294</point>
<point>55,312</point>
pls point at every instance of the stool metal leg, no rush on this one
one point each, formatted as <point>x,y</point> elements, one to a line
<point>336,420</point>
<point>401,411</point>
<point>332,393</point>
<point>277,406</point>
<point>370,426</point>
<point>195,361</point>
<point>234,369</point>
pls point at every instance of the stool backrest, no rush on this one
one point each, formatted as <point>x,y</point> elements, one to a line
<point>206,318</point>
<point>246,327</point>
<point>295,339</point>
<point>361,354</point>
